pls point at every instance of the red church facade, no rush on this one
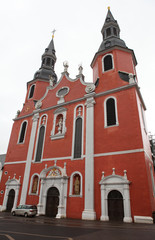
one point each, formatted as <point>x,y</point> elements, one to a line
<point>81,150</point>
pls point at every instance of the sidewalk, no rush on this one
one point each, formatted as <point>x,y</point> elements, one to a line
<point>76,222</point>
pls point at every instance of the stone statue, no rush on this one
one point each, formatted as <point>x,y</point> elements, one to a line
<point>77,186</point>
<point>60,124</point>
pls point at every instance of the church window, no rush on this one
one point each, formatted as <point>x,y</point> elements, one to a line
<point>110,112</point>
<point>152,178</point>
<point>115,31</point>
<point>75,185</point>
<point>107,62</point>
<point>34,184</point>
<point>31,92</point>
<point>40,141</point>
<point>108,32</point>
<point>78,138</point>
<point>143,117</point>
<point>22,132</point>
<point>48,61</point>
<point>78,132</point>
<point>59,128</point>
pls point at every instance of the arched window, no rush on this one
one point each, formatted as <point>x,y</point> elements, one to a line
<point>110,111</point>
<point>75,184</point>
<point>78,138</point>
<point>22,132</point>
<point>48,61</point>
<point>31,92</point>
<point>77,145</point>
<point>40,139</point>
<point>107,62</point>
<point>108,32</point>
<point>34,187</point>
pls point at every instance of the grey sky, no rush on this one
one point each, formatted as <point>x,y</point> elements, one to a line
<point>26,27</point>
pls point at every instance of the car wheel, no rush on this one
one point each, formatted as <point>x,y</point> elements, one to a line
<point>25,215</point>
<point>13,213</point>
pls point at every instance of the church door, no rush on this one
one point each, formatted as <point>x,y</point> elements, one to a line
<point>52,202</point>
<point>115,206</point>
<point>10,201</point>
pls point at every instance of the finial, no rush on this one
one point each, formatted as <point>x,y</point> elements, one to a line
<point>108,8</point>
<point>66,65</point>
<point>113,171</point>
<point>53,33</point>
<point>80,68</point>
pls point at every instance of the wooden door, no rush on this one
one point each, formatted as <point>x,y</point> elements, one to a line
<point>52,202</point>
<point>10,201</point>
<point>115,206</point>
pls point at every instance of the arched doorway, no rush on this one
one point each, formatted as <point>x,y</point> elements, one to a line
<point>52,202</point>
<point>115,206</point>
<point>10,201</point>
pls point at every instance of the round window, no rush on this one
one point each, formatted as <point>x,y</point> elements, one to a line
<point>62,92</point>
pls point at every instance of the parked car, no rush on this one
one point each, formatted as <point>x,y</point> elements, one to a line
<point>25,210</point>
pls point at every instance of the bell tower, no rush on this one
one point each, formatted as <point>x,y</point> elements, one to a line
<point>114,61</point>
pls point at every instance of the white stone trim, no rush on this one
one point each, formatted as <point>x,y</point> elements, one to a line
<point>71,184</point>
<point>152,180</point>
<point>11,184</point>
<point>89,212</point>
<point>143,219</point>
<point>119,152</point>
<point>17,162</point>
<point>21,130</point>
<point>31,182</point>
<point>61,183</point>
<point>29,159</point>
<point>121,184</point>
<point>30,91</point>
<point>62,111</point>
<point>103,62</point>
<point>105,112</point>
<point>74,127</point>
<point>95,155</point>
<point>40,125</point>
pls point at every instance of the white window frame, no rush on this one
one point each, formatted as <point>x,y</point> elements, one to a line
<point>103,62</point>
<point>30,90</point>
<point>71,184</point>
<point>74,127</point>
<point>105,112</point>
<point>21,131</point>
<point>31,183</point>
<point>38,137</point>
<point>63,112</point>
<point>152,179</point>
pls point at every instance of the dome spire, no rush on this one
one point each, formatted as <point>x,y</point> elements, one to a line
<point>46,70</point>
<point>111,33</point>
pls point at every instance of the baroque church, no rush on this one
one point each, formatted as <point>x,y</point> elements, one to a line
<point>81,150</point>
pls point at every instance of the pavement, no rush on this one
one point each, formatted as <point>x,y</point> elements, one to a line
<point>77,222</point>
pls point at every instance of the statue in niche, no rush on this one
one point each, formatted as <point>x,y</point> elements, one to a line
<point>35,185</point>
<point>77,186</point>
<point>60,124</point>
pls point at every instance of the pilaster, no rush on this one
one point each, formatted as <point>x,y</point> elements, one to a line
<point>89,213</point>
<point>29,159</point>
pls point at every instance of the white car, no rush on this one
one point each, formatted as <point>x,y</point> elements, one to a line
<point>25,210</point>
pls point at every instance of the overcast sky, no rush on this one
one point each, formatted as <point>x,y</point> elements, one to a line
<point>26,27</point>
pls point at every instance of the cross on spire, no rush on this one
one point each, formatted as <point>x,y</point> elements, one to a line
<point>53,33</point>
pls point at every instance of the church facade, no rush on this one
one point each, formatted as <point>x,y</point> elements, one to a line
<point>81,150</point>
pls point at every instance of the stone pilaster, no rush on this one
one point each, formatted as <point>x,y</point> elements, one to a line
<point>29,159</point>
<point>89,213</point>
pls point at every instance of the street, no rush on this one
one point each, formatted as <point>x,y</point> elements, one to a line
<point>43,228</point>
